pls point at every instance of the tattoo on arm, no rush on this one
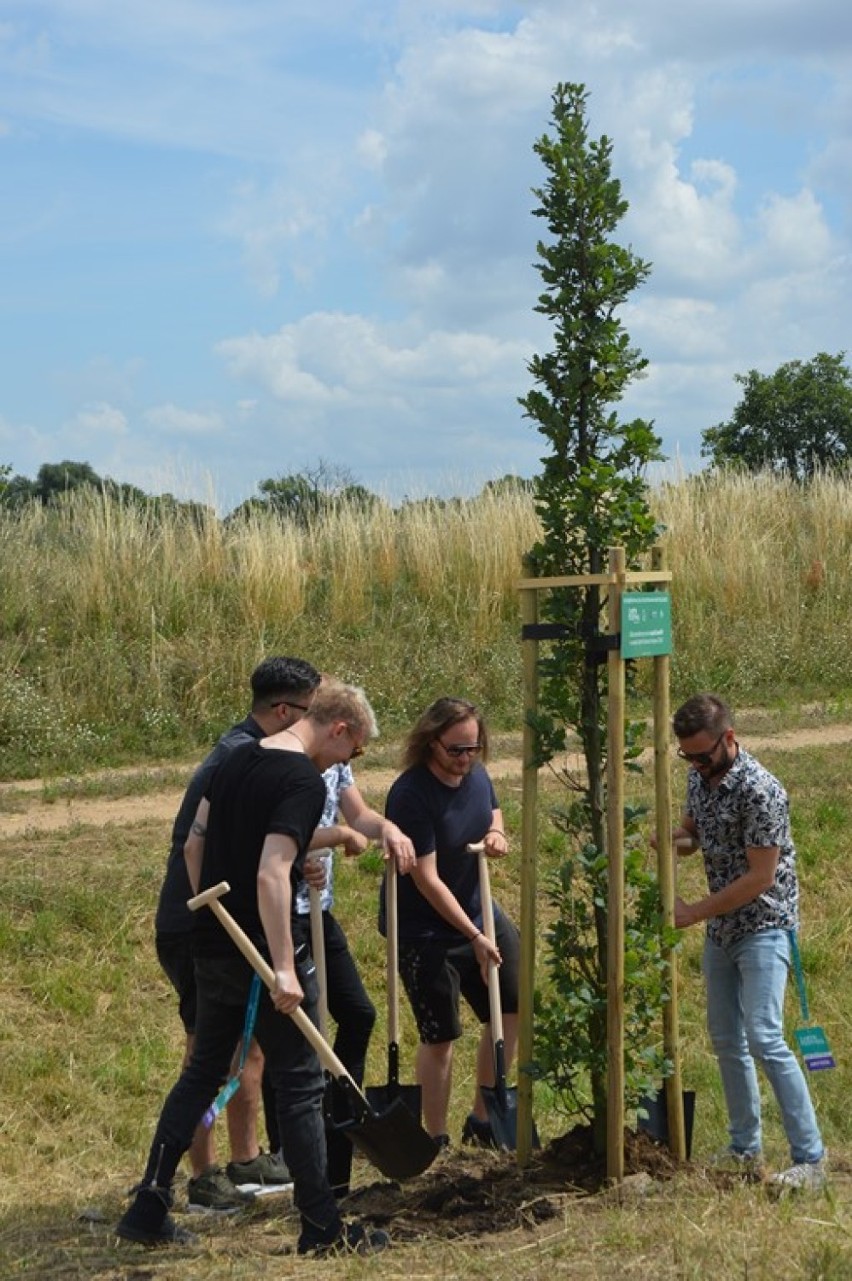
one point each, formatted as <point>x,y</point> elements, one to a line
<point>198,829</point>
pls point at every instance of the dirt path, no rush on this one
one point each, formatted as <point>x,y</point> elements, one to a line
<point>24,809</point>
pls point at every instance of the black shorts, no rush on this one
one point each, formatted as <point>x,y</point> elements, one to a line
<point>435,975</point>
<point>174,952</point>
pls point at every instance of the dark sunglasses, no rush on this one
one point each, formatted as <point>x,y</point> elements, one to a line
<point>701,758</point>
<point>285,702</point>
<point>460,749</point>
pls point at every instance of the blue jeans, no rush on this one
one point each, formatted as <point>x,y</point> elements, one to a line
<point>745,1019</point>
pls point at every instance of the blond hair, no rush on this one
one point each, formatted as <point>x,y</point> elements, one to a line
<point>335,701</point>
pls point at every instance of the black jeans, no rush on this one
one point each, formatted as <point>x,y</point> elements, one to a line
<point>223,985</point>
<point>355,1016</point>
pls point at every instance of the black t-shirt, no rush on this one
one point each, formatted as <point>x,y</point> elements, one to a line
<point>173,916</point>
<point>254,792</point>
<point>440,819</point>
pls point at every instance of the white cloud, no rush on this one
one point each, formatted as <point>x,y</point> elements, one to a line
<point>172,420</point>
<point>97,422</point>
<point>330,360</point>
<point>367,171</point>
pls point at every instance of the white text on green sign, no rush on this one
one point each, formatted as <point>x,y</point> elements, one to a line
<point>646,624</point>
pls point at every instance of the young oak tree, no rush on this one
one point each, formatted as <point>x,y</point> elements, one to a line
<point>590,495</point>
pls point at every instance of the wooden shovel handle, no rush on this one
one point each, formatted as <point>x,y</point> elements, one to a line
<point>392,916</point>
<point>490,933</point>
<point>326,1055</point>
<point>318,949</point>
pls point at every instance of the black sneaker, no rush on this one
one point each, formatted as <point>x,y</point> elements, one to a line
<point>264,1171</point>
<point>214,1193</point>
<point>478,1132</point>
<point>353,1239</point>
<point>148,1222</point>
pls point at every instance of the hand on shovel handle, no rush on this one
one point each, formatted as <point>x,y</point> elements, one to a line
<point>500,1100</point>
<point>210,898</point>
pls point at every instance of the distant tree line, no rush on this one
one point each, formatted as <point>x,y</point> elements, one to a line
<point>301,497</point>
<point>797,420</point>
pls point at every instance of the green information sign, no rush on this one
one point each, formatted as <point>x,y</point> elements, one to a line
<point>646,624</point>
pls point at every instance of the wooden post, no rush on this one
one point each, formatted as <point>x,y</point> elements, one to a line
<point>529,855</point>
<point>667,882</point>
<point>615,891</point>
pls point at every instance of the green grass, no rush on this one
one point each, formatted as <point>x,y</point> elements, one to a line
<point>90,1042</point>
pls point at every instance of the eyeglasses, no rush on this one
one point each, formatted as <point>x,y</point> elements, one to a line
<point>701,758</point>
<point>358,749</point>
<point>285,702</point>
<point>461,749</point>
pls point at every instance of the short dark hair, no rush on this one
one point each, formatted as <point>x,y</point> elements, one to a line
<point>702,712</point>
<point>282,675</point>
<point>435,721</point>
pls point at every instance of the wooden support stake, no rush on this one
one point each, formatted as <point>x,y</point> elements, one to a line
<point>529,855</point>
<point>667,882</point>
<point>615,892</point>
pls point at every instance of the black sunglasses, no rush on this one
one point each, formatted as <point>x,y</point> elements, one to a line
<point>285,702</point>
<point>701,758</point>
<point>460,749</point>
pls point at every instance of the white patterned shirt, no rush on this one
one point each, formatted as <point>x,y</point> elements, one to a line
<point>747,808</point>
<point>336,778</point>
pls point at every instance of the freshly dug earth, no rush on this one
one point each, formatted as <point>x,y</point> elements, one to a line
<point>476,1192</point>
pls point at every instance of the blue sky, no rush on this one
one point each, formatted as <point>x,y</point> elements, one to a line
<point>238,236</point>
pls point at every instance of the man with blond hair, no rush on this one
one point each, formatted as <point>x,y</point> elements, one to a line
<point>253,828</point>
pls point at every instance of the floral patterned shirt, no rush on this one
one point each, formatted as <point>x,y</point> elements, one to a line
<point>748,808</point>
<point>336,778</point>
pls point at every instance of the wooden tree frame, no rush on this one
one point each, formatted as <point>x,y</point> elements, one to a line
<point>614,581</point>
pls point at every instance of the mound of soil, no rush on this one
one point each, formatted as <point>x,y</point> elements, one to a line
<point>474,1192</point>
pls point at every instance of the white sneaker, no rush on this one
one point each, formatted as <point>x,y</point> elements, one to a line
<point>805,1176</point>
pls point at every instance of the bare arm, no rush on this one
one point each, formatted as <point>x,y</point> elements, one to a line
<point>193,850</point>
<point>684,837</point>
<point>370,823</point>
<point>439,896</point>
<point>274,905</point>
<point>762,865</point>
<point>326,838</point>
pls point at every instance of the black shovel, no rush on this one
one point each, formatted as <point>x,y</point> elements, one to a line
<point>392,1140</point>
<point>383,1096</point>
<point>501,1100</point>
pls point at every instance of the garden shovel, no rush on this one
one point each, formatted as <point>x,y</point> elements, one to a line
<point>501,1100</point>
<point>392,1140</point>
<point>382,1096</point>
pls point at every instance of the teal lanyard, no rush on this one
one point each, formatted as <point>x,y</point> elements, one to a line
<point>231,1086</point>
<point>800,975</point>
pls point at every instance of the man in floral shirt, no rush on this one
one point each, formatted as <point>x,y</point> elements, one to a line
<point>737,813</point>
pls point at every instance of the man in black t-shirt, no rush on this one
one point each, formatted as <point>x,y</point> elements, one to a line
<point>253,828</point>
<point>282,688</point>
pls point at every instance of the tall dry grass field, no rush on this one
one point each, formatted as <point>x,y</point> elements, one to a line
<point>126,634</point>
